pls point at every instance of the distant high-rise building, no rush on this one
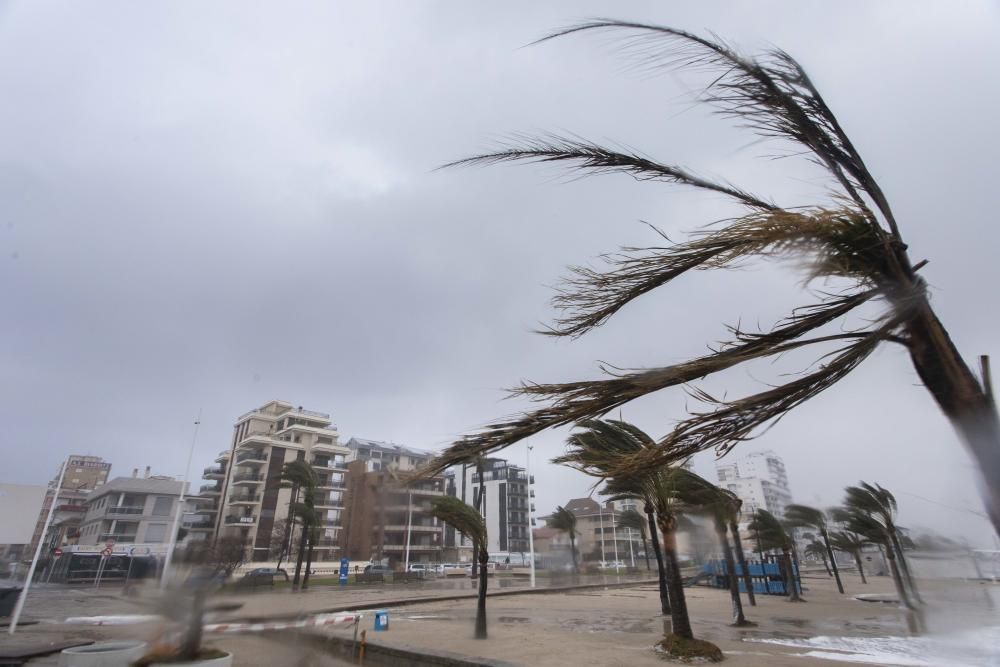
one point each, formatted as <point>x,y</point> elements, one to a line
<point>248,484</point>
<point>83,475</point>
<point>759,479</point>
<point>507,494</point>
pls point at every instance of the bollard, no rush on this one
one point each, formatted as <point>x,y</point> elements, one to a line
<point>361,651</point>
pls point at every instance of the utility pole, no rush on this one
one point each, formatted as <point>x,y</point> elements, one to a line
<point>19,607</point>
<point>409,528</point>
<point>614,537</point>
<point>180,508</point>
<point>600,514</point>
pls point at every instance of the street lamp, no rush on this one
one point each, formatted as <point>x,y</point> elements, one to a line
<point>531,534</point>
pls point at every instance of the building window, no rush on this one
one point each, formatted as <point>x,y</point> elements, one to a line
<point>156,532</point>
<point>161,507</point>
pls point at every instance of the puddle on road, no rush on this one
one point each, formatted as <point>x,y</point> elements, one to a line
<point>513,619</point>
<point>625,625</point>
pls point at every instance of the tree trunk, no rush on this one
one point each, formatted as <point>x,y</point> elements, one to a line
<point>660,569</point>
<point>904,566</point>
<point>791,586</point>
<point>898,580</point>
<point>960,396</point>
<point>679,620</point>
<point>826,566</point>
<point>309,557</point>
<point>833,561</point>
<point>572,552</point>
<point>861,570</point>
<point>741,559</point>
<point>734,587</point>
<point>484,557</point>
<point>645,552</point>
<point>298,558</point>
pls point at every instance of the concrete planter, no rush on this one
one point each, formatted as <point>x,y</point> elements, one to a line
<point>102,654</point>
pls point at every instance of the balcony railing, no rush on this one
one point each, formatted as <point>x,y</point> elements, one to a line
<point>210,488</point>
<point>117,537</point>
<point>124,510</point>
<point>251,456</point>
<point>248,477</point>
<point>329,463</point>
<point>242,520</point>
<point>214,471</point>
<point>251,498</point>
<point>331,484</point>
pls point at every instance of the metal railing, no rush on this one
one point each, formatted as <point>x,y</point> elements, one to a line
<point>124,510</point>
<point>250,498</point>
<point>118,537</point>
<point>210,488</point>
<point>246,520</point>
<point>249,477</point>
<point>251,456</point>
<point>212,470</point>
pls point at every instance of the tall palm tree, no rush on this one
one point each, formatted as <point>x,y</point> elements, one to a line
<point>718,504</point>
<point>632,520</point>
<point>468,521</point>
<point>877,504</point>
<point>736,506</point>
<point>303,477</point>
<point>852,543</point>
<point>852,237</point>
<point>598,448</point>
<point>771,534</point>
<point>805,516</point>
<point>817,550</point>
<point>565,521</point>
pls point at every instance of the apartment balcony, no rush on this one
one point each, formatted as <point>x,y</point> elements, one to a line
<point>222,457</point>
<point>241,520</point>
<point>329,523</point>
<point>251,457</point>
<point>250,499</point>
<point>248,478</point>
<point>426,492</point>
<point>415,528</point>
<point>331,484</point>
<point>117,537</point>
<point>123,510</point>
<point>413,547</point>
<point>329,464</point>
<point>214,472</point>
<point>210,489</point>
<point>326,544</point>
<point>330,504</point>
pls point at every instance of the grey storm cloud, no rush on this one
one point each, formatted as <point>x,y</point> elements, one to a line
<point>204,206</point>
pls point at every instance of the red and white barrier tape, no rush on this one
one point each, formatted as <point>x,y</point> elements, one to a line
<point>319,619</point>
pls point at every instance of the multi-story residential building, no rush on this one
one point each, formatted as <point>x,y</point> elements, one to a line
<point>381,511</point>
<point>131,510</point>
<point>507,495</point>
<point>83,475</point>
<point>759,479</point>
<point>599,537</point>
<point>208,502</point>
<point>253,497</point>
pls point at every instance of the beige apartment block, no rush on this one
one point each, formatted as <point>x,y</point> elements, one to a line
<point>248,486</point>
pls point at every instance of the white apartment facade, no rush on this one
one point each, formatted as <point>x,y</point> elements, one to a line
<point>508,495</point>
<point>248,485</point>
<point>759,479</point>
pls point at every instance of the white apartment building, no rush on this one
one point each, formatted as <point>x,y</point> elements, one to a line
<point>248,480</point>
<point>507,492</point>
<point>759,479</point>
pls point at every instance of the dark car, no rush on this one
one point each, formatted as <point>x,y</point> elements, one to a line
<point>265,572</point>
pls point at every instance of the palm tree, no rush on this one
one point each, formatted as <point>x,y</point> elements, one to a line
<point>565,521</point>
<point>468,521</point>
<point>770,534</point>
<point>734,528</point>
<point>304,479</point>
<point>872,508</point>
<point>718,504</point>
<point>803,515</point>
<point>851,237</point>
<point>632,520</point>
<point>817,550</point>
<point>599,448</point>
<point>852,543</point>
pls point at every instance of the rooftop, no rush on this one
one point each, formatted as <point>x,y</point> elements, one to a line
<point>169,487</point>
<point>355,443</point>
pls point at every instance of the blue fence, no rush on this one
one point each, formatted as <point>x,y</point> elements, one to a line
<point>767,578</point>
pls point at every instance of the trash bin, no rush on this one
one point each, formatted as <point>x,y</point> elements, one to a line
<point>381,621</point>
<point>8,599</point>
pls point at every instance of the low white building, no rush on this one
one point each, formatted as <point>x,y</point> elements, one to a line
<point>759,479</point>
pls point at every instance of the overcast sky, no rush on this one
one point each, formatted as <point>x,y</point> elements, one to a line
<point>204,206</point>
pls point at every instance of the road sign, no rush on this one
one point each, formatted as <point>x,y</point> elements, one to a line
<point>107,552</point>
<point>57,552</point>
<point>139,551</point>
<point>110,543</point>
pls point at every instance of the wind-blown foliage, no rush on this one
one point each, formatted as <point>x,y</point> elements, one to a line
<point>852,543</point>
<point>805,516</point>
<point>854,237</point>
<point>305,482</point>
<point>564,521</point>
<point>770,534</point>
<point>468,521</point>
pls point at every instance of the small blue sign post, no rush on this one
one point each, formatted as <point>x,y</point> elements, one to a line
<point>344,565</point>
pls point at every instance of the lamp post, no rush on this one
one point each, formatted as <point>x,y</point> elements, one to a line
<point>531,534</point>
<point>409,529</point>
<point>180,508</point>
<point>614,537</point>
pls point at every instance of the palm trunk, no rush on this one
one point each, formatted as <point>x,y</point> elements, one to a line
<point>734,588</point>
<point>679,620</point>
<point>833,561</point>
<point>741,559</point>
<point>826,566</point>
<point>898,580</point>
<point>797,571</point>
<point>904,566</point>
<point>572,553</point>
<point>791,587</point>
<point>960,396</point>
<point>309,557</point>
<point>645,552</point>
<point>660,569</point>
<point>484,557</point>
<point>861,570</point>
<point>298,558</point>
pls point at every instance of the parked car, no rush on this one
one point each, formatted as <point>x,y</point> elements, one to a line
<point>378,569</point>
<point>418,567</point>
<point>268,572</point>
